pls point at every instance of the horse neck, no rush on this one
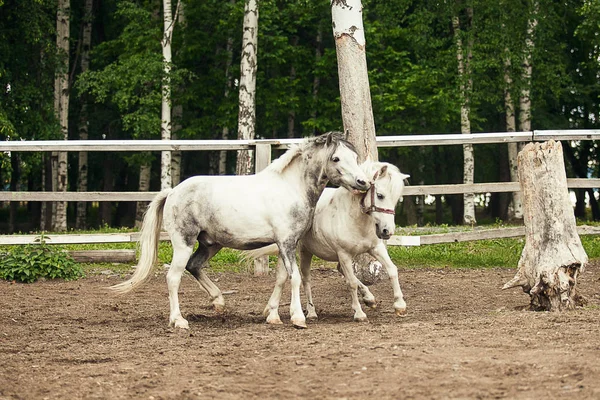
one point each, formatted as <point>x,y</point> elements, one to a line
<point>352,203</point>
<point>308,174</point>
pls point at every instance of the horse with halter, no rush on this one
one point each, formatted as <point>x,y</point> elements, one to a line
<point>274,206</point>
<point>346,225</point>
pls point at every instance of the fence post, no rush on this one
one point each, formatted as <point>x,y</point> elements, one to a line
<point>262,160</point>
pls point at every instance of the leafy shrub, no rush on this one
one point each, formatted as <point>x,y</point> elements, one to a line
<point>31,262</point>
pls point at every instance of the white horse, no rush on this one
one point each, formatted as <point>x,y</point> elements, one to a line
<point>345,225</point>
<point>245,212</point>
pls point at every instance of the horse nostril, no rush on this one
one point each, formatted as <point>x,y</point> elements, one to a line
<point>361,182</point>
<point>385,232</point>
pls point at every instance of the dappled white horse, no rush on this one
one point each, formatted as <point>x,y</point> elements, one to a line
<point>345,225</point>
<point>245,212</point>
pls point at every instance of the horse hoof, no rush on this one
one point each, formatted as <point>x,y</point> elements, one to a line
<point>219,308</point>
<point>299,324</point>
<point>371,304</point>
<point>312,317</point>
<point>274,321</point>
<point>181,323</point>
<point>401,312</point>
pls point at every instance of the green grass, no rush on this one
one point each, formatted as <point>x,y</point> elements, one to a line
<point>499,253</point>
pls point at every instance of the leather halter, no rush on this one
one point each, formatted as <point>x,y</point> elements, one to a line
<point>373,208</point>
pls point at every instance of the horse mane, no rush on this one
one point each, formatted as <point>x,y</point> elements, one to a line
<point>280,164</point>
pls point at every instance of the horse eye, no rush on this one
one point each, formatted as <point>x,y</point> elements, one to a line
<point>380,196</point>
<point>335,159</point>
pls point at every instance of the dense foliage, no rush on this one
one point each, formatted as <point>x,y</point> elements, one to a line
<point>31,262</point>
<point>412,59</point>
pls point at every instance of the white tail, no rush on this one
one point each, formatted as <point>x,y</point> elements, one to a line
<point>149,238</point>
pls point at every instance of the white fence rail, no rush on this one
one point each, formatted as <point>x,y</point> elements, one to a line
<point>263,156</point>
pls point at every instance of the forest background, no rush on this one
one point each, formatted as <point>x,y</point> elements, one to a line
<point>533,62</point>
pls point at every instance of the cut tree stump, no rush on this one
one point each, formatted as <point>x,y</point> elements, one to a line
<point>553,256</point>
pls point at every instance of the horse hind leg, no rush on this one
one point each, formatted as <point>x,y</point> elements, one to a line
<point>305,259</point>
<point>195,266</point>
<point>287,252</point>
<point>181,255</point>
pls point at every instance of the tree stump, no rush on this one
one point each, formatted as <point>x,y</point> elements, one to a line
<point>553,256</point>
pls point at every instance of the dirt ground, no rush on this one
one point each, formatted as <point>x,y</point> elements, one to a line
<point>463,338</point>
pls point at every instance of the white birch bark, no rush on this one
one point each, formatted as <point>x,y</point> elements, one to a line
<point>177,115</point>
<point>61,107</point>
<point>466,83</point>
<point>355,94</point>
<point>143,186</point>
<point>176,154</point>
<point>525,97</point>
<point>82,173</point>
<point>247,93</point>
<point>516,207</point>
<point>553,256</point>
<point>165,119</point>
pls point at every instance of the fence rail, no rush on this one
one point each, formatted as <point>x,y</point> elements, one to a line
<point>382,141</point>
<point>264,148</point>
<point>396,240</point>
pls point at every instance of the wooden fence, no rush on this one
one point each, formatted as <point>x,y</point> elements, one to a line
<point>263,150</point>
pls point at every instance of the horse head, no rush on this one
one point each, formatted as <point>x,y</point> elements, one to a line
<point>381,199</point>
<point>341,167</point>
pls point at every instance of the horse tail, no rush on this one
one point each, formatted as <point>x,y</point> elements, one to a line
<point>149,238</point>
<point>270,250</point>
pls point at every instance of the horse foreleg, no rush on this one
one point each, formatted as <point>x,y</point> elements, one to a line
<point>305,259</point>
<point>181,255</point>
<point>272,309</point>
<point>352,281</point>
<point>289,260</point>
<point>366,295</point>
<point>381,254</point>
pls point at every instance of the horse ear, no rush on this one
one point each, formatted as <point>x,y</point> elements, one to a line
<point>329,139</point>
<point>382,171</point>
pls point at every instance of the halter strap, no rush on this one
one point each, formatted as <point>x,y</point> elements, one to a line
<point>373,208</point>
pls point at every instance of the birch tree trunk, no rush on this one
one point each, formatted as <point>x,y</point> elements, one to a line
<point>525,97</point>
<point>144,186</point>
<point>516,209</point>
<point>553,256</point>
<point>61,107</point>
<point>82,173</point>
<point>177,115</point>
<point>316,78</point>
<point>466,84</point>
<point>247,93</point>
<point>355,94</point>
<point>165,125</point>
